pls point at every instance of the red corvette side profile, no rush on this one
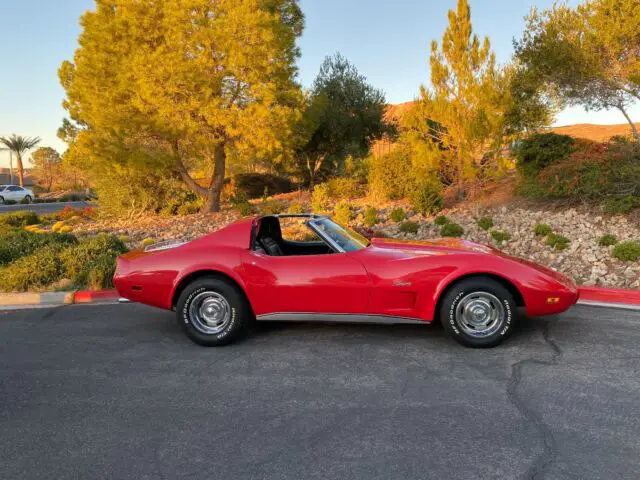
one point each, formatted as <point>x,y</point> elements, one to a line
<point>262,268</point>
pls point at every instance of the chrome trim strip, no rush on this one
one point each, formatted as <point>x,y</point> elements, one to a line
<point>340,318</point>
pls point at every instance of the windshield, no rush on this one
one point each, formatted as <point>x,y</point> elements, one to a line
<point>342,237</point>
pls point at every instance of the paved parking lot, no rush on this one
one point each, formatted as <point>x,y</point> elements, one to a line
<point>118,392</point>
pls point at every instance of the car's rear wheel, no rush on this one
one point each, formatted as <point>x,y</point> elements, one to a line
<point>1,200</point>
<point>28,199</point>
<point>213,312</point>
<point>478,312</point>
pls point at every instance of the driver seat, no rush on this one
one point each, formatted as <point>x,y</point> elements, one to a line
<point>271,247</point>
<point>268,236</point>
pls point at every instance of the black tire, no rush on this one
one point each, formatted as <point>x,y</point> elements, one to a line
<point>1,200</point>
<point>28,199</point>
<point>202,303</point>
<point>478,312</point>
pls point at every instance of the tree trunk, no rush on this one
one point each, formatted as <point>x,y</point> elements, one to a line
<point>460,192</point>
<point>10,167</point>
<point>20,169</point>
<point>634,129</point>
<point>212,202</point>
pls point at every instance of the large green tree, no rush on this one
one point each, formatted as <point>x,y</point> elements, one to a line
<point>588,55</point>
<point>182,85</point>
<point>20,145</point>
<point>344,115</point>
<point>464,119</point>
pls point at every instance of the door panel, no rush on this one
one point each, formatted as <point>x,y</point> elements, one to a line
<point>13,193</point>
<point>332,283</point>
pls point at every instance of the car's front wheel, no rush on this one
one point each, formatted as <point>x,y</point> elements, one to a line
<point>478,312</point>
<point>213,312</point>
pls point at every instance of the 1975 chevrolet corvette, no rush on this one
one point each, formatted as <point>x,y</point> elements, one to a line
<point>262,268</point>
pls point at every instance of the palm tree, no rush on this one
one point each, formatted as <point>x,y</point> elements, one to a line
<point>20,145</point>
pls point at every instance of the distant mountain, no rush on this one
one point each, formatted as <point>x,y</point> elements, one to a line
<point>597,133</point>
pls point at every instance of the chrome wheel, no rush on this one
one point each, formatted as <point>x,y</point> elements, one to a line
<point>480,314</point>
<point>210,312</point>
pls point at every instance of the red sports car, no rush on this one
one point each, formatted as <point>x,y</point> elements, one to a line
<point>268,268</point>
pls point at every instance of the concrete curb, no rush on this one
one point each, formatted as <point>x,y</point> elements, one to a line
<point>16,301</point>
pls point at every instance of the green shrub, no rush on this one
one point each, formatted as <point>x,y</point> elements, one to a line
<point>627,251</point>
<point>398,214</point>
<point>125,191</point>
<point>180,200</point>
<point>272,207</point>
<point>343,188</point>
<point>238,198</point>
<point>607,240</point>
<point>19,219</point>
<point>36,270</point>
<point>254,185</point>
<point>541,150</point>
<point>441,220</point>
<point>295,207</point>
<point>426,196</point>
<point>190,208</point>
<point>343,213</point>
<point>371,217</point>
<point>16,244</point>
<point>451,230</point>
<point>542,230</point>
<point>245,209</point>
<point>621,205</point>
<point>10,202</point>
<point>390,175</point>
<point>485,223</point>
<point>592,172</point>
<point>409,227</point>
<point>147,242</point>
<point>320,199</point>
<point>94,258</point>
<point>57,226</point>
<point>500,236</point>
<point>558,242</point>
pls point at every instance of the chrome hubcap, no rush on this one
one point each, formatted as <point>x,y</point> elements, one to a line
<point>480,314</point>
<point>210,312</point>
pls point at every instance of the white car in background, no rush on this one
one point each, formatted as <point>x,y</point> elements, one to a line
<point>15,193</point>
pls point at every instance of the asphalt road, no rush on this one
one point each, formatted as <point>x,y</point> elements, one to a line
<point>118,392</point>
<point>43,207</point>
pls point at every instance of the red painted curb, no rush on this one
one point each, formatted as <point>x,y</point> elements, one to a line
<point>588,294</point>
<point>610,295</point>
<point>88,296</point>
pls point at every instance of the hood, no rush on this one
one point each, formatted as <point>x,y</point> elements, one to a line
<point>442,244</point>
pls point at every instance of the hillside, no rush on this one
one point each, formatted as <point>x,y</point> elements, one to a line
<point>589,131</point>
<point>597,133</point>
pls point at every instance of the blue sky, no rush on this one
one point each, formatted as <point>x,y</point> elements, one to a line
<point>388,41</point>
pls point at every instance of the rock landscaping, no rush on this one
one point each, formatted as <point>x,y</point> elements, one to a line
<point>577,241</point>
